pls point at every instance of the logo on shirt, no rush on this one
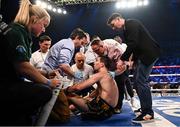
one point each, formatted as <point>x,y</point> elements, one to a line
<point>20,49</point>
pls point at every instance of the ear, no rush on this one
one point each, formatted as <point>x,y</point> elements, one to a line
<point>77,37</point>
<point>102,65</point>
<point>33,19</point>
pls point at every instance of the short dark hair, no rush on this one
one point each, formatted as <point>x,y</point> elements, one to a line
<point>112,17</point>
<point>106,61</point>
<point>96,41</point>
<point>78,32</point>
<point>95,37</point>
<point>44,38</point>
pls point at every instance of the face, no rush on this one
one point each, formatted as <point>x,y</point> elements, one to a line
<point>39,27</point>
<point>44,46</point>
<point>97,64</point>
<point>84,42</point>
<point>79,42</point>
<point>87,40</point>
<point>98,49</point>
<point>116,24</point>
<point>79,59</point>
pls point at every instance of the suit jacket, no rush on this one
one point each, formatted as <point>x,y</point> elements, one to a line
<point>140,43</point>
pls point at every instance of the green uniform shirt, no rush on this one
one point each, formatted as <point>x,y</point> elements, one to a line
<point>19,43</point>
<point>16,47</point>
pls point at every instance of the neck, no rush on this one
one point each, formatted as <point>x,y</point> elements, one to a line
<point>102,69</point>
<point>43,51</point>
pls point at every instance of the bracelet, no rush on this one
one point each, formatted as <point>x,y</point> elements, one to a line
<point>48,82</point>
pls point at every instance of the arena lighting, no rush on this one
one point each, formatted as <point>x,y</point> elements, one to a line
<point>49,6</point>
<point>131,3</point>
<point>73,2</point>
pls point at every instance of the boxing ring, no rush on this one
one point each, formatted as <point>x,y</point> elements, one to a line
<point>166,104</point>
<point>169,83</point>
<point>166,80</point>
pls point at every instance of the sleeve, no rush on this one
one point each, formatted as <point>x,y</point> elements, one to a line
<point>132,33</point>
<point>17,49</point>
<point>65,55</point>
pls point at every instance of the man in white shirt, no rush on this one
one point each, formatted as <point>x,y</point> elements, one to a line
<point>38,57</point>
<point>83,69</point>
<point>123,45</point>
<point>90,55</point>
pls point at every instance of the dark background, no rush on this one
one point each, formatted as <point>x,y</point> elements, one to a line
<point>161,18</point>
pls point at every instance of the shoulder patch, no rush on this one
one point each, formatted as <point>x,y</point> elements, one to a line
<point>20,49</point>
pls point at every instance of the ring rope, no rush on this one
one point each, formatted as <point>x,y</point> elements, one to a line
<point>173,66</point>
<point>153,75</point>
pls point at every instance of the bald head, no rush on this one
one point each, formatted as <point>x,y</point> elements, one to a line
<point>79,59</point>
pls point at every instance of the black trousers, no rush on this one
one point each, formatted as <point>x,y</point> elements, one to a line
<point>19,101</point>
<point>122,81</point>
<point>129,87</point>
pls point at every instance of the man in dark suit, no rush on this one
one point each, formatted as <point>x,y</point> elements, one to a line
<point>145,52</point>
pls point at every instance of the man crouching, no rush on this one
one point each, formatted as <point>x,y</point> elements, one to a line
<point>100,103</point>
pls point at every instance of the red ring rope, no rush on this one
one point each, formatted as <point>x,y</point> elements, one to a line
<point>174,66</point>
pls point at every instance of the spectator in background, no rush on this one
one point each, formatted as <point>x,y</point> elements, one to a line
<point>145,52</point>
<point>38,57</point>
<point>84,70</point>
<point>19,99</point>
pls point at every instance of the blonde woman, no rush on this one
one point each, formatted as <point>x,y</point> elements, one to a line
<point>20,99</point>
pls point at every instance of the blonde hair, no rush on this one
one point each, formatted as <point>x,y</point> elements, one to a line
<point>27,10</point>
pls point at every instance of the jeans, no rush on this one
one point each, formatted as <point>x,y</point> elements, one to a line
<point>142,87</point>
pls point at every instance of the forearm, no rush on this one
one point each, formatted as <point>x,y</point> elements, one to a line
<point>29,72</point>
<point>73,88</point>
<point>43,72</point>
<point>67,69</point>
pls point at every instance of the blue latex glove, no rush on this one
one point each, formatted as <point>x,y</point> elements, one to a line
<point>112,73</point>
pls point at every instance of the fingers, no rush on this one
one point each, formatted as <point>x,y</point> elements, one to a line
<point>55,83</point>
